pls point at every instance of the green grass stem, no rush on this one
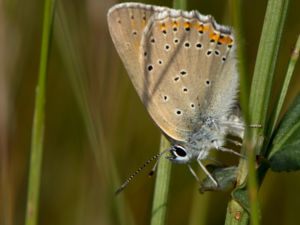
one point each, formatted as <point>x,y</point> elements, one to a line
<point>36,154</point>
<point>259,103</point>
<point>265,64</point>
<point>261,91</point>
<point>285,86</point>
<point>237,19</point>
<point>161,189</point>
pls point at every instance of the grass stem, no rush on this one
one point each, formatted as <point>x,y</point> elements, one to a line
<point>258,106</point>
<point>36,154</point>
<point>286,83</point>
<point>161,189</point>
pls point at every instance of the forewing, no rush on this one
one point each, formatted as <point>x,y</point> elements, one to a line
<point>189,71</point>
<point>181,64</point>
<point>126,23</point>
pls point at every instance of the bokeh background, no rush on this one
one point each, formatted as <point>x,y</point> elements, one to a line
<point>98,132</point>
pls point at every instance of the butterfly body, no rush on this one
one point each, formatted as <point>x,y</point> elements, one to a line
<point>209,135</point>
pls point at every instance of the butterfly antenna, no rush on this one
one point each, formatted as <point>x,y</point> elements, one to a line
<point>157,156</point>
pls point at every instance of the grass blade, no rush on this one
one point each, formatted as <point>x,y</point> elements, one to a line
<point>258,106</point>
<point>261,90</point>
<point>161,189</point>
<point>286,83</point>
<point>38,120</point>
<point>236,11</point>
<point>265,63</point>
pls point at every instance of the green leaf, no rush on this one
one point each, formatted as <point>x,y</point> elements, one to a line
<point>285,151</point>
<point>241,196</point>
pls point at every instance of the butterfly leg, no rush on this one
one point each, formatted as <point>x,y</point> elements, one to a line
<point>193,173</point>
<point>207,172</point>
<point>237,143</point>
<point>255,125</point>
<point>227,150</point>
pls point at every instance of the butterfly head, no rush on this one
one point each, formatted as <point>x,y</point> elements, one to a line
<point>180,154</point>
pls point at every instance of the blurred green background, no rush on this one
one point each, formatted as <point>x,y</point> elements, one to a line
<point>98,132</point>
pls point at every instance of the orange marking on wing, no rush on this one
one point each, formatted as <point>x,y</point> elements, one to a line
<point>214,35</point>
<point>200,27</point>
<point>227,40</point>
<point>206,27</point>
<point>174,23</point>
<point>187,25</point>
<point>163,26</point>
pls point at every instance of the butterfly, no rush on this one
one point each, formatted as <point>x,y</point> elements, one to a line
<point>183,66</point>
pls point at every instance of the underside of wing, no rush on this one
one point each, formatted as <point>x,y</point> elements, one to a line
<point>181,64</point>
<point>126,22</point>
<point>189,71</point>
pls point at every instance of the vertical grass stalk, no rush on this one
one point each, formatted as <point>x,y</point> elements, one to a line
<point>261,90</point>
<point>286,83</point>
<point>161,189</point>
<point>259,103</point>
<point>39,120</point>
<point>265,64</point>
<point>237,19</point>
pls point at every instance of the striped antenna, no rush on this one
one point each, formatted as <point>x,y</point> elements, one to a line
<point>157,156</point>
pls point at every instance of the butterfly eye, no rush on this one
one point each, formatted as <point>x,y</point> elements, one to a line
<point>180,151</point>
<point>180,155</point>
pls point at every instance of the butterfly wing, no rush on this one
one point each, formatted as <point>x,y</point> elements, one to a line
<point>126,23</point>
<point>189,71</point>
<point>181,64</point>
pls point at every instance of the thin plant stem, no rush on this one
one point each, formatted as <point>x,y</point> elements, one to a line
<point>237,19</point>
<point>258,105</point>
<point>36,154</point>
<point>286,83</point>
<point>261,91</point>
<point>235,213</point>
<point>265,64</point>
<point>161,189</point>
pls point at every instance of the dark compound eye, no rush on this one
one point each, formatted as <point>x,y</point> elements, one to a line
<point>180,151</point>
